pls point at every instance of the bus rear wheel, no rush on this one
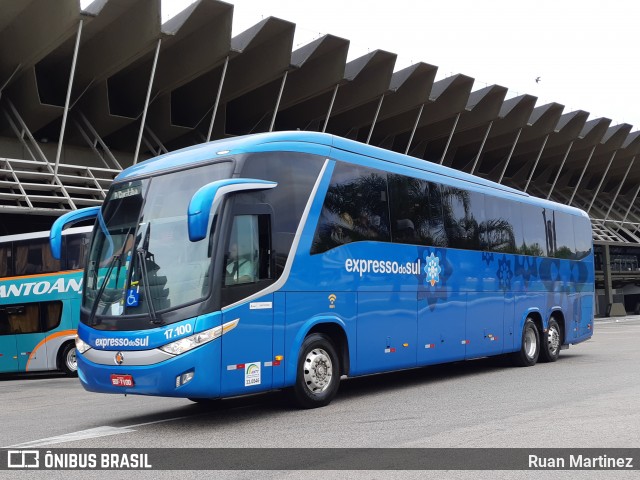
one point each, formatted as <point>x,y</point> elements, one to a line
<point>529,351</point>
<point>318,374</point>
<point>67,361</point>
<point>552,339</point>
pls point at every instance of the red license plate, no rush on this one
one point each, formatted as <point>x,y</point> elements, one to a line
<point>121,380</point>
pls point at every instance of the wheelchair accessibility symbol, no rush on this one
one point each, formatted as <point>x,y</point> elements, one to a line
<point>133,297</point>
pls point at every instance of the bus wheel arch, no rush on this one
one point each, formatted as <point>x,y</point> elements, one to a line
<point>529,351</point>
<point>339,339</point>
<point>552,338</point>
<point>67,361</point>
<point>318,370</point>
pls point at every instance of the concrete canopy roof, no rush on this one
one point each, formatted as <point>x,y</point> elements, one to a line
<point>255,81</point>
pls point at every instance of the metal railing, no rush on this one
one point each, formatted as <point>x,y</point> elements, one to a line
<point>29,186</point>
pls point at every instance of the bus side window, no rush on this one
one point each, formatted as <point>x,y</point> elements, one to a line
<point>6,261</point>
<point>356,208</point>
<point>35,257</point>
<point>582,232</point>
<point>416,211</point>
<point>76,251</point>
<point>248,254</point>
<point>52,315</point>
<point>501,228</point>
<point>564,242</point>
<point>536,238</point>
<point>5,327</point>
<point>23,318</point>
<point>463,212</point>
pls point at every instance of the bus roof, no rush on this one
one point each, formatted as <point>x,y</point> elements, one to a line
<point>44,234</point>
<point>314,143</point>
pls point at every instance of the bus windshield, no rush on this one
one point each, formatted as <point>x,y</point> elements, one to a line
<point>141,249</point>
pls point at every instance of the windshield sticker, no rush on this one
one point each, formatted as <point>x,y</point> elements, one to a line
<point>252,374</point>
<point>133,297</point>
<point>126,192</point>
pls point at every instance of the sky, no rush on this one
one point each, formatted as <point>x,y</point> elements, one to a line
<point>585,52</point>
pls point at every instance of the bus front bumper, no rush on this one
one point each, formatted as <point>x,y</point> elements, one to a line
<point>193,374</point>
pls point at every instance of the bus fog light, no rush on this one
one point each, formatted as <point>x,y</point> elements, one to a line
<point>184,378</point>
<point>189,343</point>
<point>81,346</point>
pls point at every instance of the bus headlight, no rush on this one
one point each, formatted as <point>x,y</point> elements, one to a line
<point>81,346</point>
<point>189,343</point>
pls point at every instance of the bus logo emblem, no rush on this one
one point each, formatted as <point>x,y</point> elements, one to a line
<point>433,269</point>
<point>119,358</point>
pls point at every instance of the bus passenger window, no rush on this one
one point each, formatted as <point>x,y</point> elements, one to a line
<point>7,321</point>
<point>356,208</point>
<point>582,231</point>
<point>52,315</point>
<point>35,257</point>
<point>502,228</point>
<point>536,240</point>
<point>76,250</point>
<point>23,318</point>
<point>6,262</point>
<point>561,226</point>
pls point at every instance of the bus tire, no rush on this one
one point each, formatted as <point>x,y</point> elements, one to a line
<point>318,372</point>
<point>551,341</point>
<point>67,361</point>
<point>529,351</point>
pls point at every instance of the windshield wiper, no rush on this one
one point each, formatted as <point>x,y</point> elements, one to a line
<point>94,308</point>
<point>143,253</point>
<point>142,259</point>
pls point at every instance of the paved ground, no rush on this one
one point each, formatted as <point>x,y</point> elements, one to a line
<point>589,398</point>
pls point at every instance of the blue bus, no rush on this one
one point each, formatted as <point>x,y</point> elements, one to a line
<point>289,259</point>
<point>40,301</point>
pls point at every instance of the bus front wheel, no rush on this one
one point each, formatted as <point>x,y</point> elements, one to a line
<point>529,351</point>
<point>318,373</point>
<point>67,361</point>
<point>551,341</point>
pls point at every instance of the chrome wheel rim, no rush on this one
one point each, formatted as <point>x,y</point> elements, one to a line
<point>71,361</point>
<point>318,370</point>
<point>530,343</point>
<point>553,338</point>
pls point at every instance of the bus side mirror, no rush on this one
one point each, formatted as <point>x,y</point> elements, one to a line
<point>207,199</point>
<point>55,234</point>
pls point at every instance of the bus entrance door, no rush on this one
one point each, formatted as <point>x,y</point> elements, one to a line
<point>22,323</point>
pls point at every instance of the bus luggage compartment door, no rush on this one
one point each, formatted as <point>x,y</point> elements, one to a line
<point>441,327</point>
<point>485,323</point>
<point>8,352</point>
<point>386,327</point>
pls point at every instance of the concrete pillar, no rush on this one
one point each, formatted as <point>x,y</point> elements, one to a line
<point>613,309</point>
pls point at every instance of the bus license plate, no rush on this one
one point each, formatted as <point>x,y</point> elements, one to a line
<point>121,380</point>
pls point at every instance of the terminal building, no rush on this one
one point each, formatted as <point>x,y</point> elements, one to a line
<point>87,92</point>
